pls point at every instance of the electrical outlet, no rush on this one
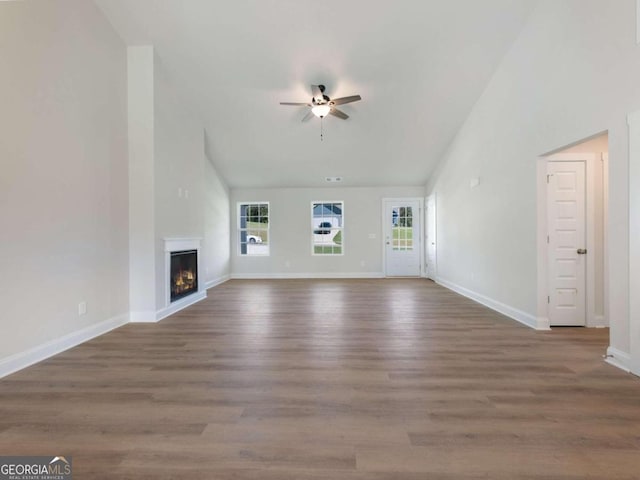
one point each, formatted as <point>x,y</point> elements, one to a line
<point>372,236</point>
<point>82,308</point>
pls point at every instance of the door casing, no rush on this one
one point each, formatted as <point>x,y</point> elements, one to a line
<point>431,237</point>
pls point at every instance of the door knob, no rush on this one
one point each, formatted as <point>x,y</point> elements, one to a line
<point>582,251</point>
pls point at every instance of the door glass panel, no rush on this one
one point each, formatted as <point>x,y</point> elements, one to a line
<point>402,228</point>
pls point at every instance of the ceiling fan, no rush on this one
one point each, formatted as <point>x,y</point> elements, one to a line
<point>321,104</point>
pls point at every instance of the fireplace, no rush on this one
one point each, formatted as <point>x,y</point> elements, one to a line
<point>183,276</point>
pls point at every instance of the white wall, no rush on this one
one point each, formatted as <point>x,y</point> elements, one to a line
<point>179,162</point>
<point>290,231</point>
<point>217,223</point>
<point>63,184</point>
<point>175,191</point>
<point>140,101</point>
<point>72,96</point>
<point>573,72</point>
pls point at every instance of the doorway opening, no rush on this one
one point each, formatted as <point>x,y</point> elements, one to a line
<point>572,240</point>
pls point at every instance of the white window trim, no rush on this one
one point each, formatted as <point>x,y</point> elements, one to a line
<point>239,229</point>
<point>341,229</point>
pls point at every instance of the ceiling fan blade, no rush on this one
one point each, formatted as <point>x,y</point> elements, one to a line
<point>299,104</point>
<point>338,113</point>
<point>317,93</point>
<point>343,100</point>
<point>307,116</point>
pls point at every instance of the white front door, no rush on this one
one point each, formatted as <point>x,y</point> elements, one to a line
<point>567,243</point>
<point>402,237</point>
<point>430,237</point>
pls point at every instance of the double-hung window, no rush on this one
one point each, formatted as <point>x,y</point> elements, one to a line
<point>327,228</point>
<point>253,228</point>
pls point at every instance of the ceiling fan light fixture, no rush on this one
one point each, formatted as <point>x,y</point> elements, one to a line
<point>321,110</point>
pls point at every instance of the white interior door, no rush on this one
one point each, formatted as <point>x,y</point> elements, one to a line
<point>402,237</point>
<point>430,237</point>
<point>567,243</point>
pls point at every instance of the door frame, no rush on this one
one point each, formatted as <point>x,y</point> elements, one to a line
<point>592,161</point>
<point>420,201</point>
<point>427,235</point>
<point>633,365</point>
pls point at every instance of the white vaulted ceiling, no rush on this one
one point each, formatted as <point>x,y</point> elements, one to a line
<point>419,66</point>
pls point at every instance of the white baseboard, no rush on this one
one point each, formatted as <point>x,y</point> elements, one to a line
<point>216,281</point>
<point>27,358</point>
<point>37,354</point>
<point>543,323</point>
<point>517,315</point>
<point>599,322</point>
<point>180,305</point>
<point>148,316</point>
<point>618,359</point>
<point>264,276</point>
<point>153,317</point>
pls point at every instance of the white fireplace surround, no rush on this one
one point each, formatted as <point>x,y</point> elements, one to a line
<point>179,245</point>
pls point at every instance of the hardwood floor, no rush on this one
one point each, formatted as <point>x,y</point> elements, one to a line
<point>330,379</point>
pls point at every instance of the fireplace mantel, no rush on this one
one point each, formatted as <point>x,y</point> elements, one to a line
<point>184,243</point>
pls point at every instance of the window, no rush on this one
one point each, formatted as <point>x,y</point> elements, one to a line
<point>253,228</point>
<point>327,222</point>
<point>402,230</point>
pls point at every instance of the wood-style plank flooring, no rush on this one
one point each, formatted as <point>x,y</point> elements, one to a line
<point>329,380</point>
